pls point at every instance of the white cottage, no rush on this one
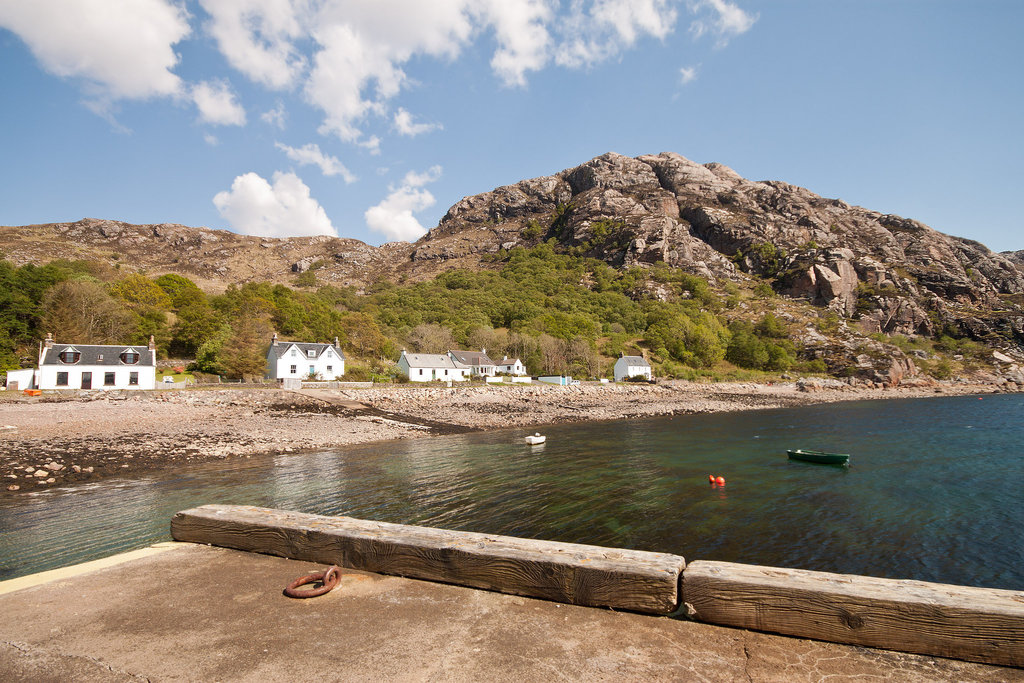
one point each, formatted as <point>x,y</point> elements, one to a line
<point>428,367</point>
<point>511,366</point>
<point>302,360</point>
<point>631,366</point>
<point>96,366</point>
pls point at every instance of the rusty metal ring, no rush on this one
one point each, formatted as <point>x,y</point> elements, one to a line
<point>328,579</point>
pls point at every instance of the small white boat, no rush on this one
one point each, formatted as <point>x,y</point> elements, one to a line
<point>535,439</point>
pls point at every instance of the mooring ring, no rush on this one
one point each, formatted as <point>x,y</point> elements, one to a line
<point>329,579</point>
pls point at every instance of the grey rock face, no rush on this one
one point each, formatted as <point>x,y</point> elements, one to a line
<point>895,274</point>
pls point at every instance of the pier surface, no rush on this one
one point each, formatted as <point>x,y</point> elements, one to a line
<point>193,612</point>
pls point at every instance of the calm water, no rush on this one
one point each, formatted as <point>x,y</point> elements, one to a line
<point>935,491</point>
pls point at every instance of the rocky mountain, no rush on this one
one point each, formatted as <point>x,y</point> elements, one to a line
<point>885,273</point>
<point>895,275</point>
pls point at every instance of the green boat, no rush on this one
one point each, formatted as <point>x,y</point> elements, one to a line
<point>820,457</point>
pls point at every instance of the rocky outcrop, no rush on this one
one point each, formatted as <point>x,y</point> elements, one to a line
<point>849,354</point>
<point>895,275</point>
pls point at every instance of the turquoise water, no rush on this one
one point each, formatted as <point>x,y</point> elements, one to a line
<point>934,491</point>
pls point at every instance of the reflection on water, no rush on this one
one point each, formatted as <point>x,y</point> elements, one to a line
<point>933,492</point>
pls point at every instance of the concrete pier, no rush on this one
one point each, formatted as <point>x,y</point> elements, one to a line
<point>191,612</point>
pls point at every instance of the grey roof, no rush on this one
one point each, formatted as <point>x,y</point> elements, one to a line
<point>433,360</point>
<point>99,354</point>
<point>477,358</point>
<point>634,360</point>
<point>279,349</point>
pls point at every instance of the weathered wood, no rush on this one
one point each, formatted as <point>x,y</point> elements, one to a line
<point>976,624</point>
<point>565,572</point>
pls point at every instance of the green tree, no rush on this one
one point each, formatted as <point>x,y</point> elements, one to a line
<point>181,290</point>
<point>138,292</point>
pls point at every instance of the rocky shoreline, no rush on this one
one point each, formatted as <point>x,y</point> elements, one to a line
<point>55,441</point>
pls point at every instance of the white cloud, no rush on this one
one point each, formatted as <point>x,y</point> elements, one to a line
<point>211,139</point>
<point>311,154</point>
<point>393,217</point>
<point>371,144</point>
<point>524,42</point>
<point>217,104</point>
<point>687,74</point>
<point>275,117</point>
<point>362,47</point>
<point>285,209</point>
<point>405,125</point>
<point>414,179</point>
<point>726,19</point>
<point>611,26</point>
<point>123,50</point>
<point>256,37</point>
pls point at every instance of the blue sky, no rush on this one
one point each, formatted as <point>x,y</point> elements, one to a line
<point>369,119</point>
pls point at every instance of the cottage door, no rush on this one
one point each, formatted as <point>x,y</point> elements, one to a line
<point>87,380</point>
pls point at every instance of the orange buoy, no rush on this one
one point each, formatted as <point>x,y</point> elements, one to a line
<point>720,481</point>
<point>711,478</point>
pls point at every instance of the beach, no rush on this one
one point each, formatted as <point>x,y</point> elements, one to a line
<point>55,440</point>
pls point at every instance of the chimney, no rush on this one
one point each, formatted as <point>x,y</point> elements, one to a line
<point>152,343</point>
<point>336,344</point>
<point>48,344</point>
<point>273,340</point>
<point>483,351</point>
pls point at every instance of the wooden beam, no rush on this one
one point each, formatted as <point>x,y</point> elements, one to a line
<point>976,624</point>
<point>565,572</point>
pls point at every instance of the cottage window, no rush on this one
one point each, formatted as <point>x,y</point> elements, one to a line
<point>421,372</point>
<point>62,379</point>
<point>130,357</point>
<point>69,356</point>
<point>108,379</point>
<point>294,353</point>
<point>295,369</point>
<point>133,378</point>
<point>310,353</point>
<point>330,368</point>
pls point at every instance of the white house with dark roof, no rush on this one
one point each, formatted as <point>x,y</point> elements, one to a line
<point>302,360</point>
<point>631,366</point>
<point>96,366</point>
<point>429,367</point>
<point>511,366</point>
<point>477,361</point>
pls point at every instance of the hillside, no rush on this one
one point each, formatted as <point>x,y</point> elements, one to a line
<point>820,261</point>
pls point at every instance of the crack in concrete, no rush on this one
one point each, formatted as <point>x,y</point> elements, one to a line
<point>27,649</point>
<point>746,663</point>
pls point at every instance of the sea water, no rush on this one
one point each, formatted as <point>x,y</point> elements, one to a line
<point>934,490</point>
